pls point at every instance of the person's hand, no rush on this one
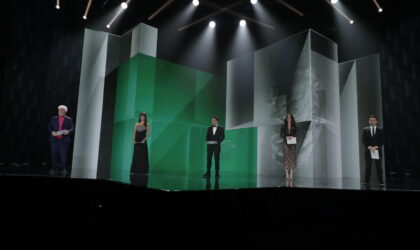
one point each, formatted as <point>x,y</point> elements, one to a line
<point>53,133</point>
<point>142,141</point>
<point>289,137</point>
<point>372,148</point>
<point>66,132</point>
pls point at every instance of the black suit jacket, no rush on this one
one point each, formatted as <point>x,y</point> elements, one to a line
<point>219,136</point>
<point>67,125</point>
<point>376,140</point>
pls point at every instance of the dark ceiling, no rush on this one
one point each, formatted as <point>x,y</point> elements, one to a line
<point>140,10</point>
<point>318,15</point>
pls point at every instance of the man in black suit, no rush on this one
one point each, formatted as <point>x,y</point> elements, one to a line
<point>373,139</point>
<point>60,128</point>
<point>215,136</point>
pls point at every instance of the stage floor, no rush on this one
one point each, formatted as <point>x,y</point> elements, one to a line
<point>195,181</point>
<point>186,182</point>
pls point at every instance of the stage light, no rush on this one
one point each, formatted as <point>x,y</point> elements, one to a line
<point>378,6</point>
<point>334,1</point>
<point>242,23</point>
<point>89,4</point>
<point>124,6</point>
<point>254,1</point>
<point>340,11</point>
<point>57,5</point>
<point>195,2</point>
<point>212,24</point>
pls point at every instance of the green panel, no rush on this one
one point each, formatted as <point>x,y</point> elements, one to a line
<point>180,102</point>
<point>239,151</point>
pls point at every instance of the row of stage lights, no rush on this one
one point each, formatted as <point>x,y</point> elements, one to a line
<point>197,2</point>
<point>374,1</point>
<point>242,23</point>
<point>212,24</point>
<point>334,2</point>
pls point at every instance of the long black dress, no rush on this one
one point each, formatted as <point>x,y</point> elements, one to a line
<point>140,164</point>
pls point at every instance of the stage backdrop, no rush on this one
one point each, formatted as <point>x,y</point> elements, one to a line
<point>179,102</point>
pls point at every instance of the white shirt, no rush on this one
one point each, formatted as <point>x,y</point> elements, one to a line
<point>214,129</point>
<point>372,130</point>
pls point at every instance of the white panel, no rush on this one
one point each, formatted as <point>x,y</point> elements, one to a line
<point>89,106</point>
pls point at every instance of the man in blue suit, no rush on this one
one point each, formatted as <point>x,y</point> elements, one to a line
<point>60,129</point>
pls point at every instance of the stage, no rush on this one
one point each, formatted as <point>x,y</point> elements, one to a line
<point>182,213</point>
<point>163,88</point>
<point>227,181</point>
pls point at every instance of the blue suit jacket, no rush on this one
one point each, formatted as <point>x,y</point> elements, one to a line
<point>67,125</point>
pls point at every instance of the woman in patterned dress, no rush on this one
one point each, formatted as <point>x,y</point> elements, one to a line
<point>288,131</point>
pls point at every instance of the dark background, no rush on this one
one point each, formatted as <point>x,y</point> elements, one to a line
<point>41,50</point>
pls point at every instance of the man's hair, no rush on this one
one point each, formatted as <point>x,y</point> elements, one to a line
<point>62,107</point>
<point>216,118</point>
<point>373,116</point>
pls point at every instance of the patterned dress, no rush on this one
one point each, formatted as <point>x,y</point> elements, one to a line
<point>289,150</point>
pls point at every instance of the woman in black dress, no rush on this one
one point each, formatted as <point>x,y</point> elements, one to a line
<point>140,164</point>
<point>288,131</point>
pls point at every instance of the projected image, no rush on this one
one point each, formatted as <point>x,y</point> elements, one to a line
<point>179,103</point>
<point>290,76</point>
<point>299,75</point>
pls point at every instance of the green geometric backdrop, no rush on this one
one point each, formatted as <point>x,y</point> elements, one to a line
<point>180,102</point>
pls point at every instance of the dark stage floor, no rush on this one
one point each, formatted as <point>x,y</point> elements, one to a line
<point>177,212</point>
<point>195,181</point>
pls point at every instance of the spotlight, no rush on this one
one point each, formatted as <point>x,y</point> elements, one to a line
<point>212,24</point>
<point>108,26</point>
<point>57,7</point>
<point>254,1</point>
<point>124,5</point>
<point>351,22</point>
<point>89,4</point>
<point>242,23</point>
<point>195,2</point>
<point>378,6</point>
<point>334,1</point>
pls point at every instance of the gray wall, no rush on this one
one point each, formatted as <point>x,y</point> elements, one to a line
<point>298,74</point>
<point>360,95</point>
<point>102,54</point>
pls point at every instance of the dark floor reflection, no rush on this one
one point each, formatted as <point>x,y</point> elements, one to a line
<point>216,183</point>
<point>139,179</point>
<point>228,180</point>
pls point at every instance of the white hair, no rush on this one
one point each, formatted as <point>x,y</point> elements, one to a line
<point>62,107</point>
